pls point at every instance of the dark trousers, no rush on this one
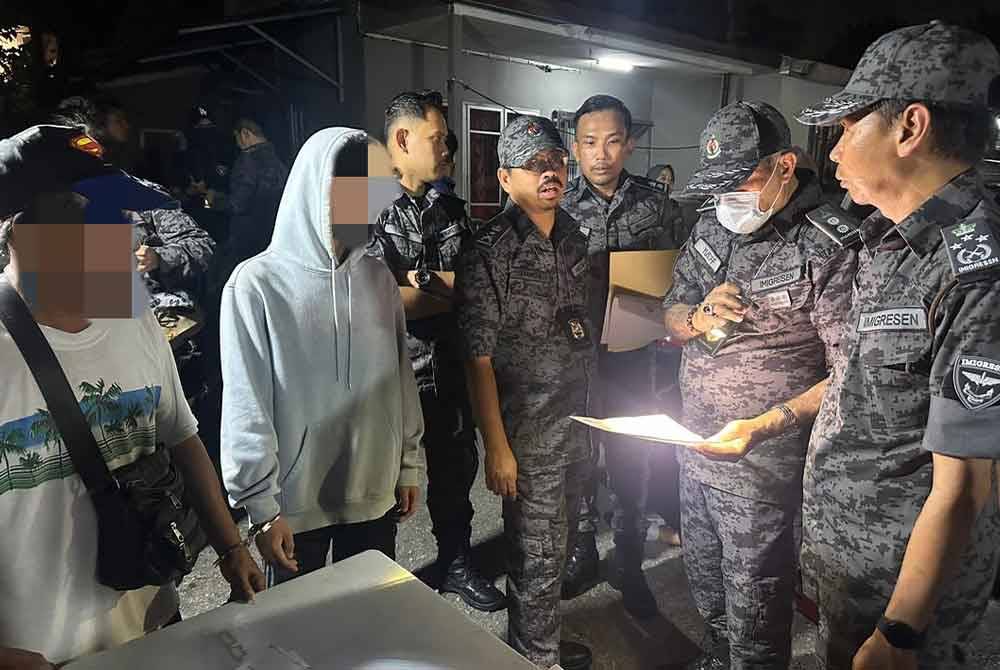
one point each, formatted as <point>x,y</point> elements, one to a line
<point>540,524</point>
<point>739,555</point>
<point>312,546</point>
<point>452,463</point>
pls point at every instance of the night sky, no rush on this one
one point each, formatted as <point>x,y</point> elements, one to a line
<point>831,32</point>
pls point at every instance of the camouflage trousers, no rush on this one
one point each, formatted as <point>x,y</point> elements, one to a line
<point>539,526</point>
<point>739,555</point>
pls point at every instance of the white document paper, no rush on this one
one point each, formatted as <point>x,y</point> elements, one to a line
<point>655,428</point>
<point>633,321</point>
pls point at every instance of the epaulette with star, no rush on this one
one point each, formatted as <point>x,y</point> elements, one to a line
<point>973,250</point>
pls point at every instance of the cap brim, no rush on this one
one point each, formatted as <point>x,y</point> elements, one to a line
<point>713,180</point>
<point>834,108</point>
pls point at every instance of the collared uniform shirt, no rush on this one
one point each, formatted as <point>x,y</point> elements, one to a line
<point>799,282</point>
<point>912,384</point>
<point>640,216</point>
<point>521,300</point>
<point>425,233</point>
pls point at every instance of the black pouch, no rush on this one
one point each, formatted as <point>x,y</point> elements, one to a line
<point>575,326</point>
<point>147,535</point>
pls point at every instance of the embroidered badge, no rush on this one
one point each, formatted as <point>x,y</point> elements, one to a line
<point>762,284</point>
<point>976,380</point>
<point>971,248</point>
<point>708,254</point>
<point>712,148</point>
<point>902,318</point>
<point>533,129</point>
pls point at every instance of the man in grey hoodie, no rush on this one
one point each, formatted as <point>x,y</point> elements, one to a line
<point>321,421</point>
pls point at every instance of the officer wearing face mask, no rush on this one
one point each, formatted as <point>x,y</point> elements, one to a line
<point>759,299</point>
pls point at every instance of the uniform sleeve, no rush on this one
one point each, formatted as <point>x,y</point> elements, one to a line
<point>672,233</point>
<point>477,304</point>
<point>380,245</point>
<point>833,285</point>
<point>175,422</point>
<point>685,289</point>
<point>242,186</point>
<point>964,415</point>
<point>187,248</point>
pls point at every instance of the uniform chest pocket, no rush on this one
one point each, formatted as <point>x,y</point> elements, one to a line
<point>643,228</point>
<point>409,243</point>
<point>788,296</point>
<point>896,368</point>
<point>530,306</point>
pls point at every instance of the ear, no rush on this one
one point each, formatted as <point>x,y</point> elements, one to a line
<point>503,176</point>
<point>913,130</point>
<point>401,137</point>
<point>629,146</point>
<point>576,151</point>
<point>788,163</point>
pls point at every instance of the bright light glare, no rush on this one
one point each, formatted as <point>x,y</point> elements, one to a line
<point>614,64</point>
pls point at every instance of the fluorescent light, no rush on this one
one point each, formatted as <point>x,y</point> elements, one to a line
<point>614,64</point>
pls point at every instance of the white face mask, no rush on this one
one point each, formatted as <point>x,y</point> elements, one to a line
<point>739,211</point>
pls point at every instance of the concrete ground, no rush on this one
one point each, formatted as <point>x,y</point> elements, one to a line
<point>597,618</point>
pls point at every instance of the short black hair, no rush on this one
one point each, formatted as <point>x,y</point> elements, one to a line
<point>603,103</point>
<point>958,132</point>
<point>246,123</point>
<point>412,105</point>
<point>452,143</point>
<point>90,114</point>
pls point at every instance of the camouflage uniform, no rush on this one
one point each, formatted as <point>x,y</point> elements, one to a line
<point>639,216</point>
<point>522,301</point>
<point>427,233</point>
<point>738,517</point>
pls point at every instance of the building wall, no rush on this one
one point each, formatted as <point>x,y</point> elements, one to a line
<point>681,108</point>
<point>678,105</point>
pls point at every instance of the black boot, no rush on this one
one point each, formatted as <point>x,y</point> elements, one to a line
<point>468,584</point>
<point>574,656</point>
<point>626,575</point>
<point>582,567</point>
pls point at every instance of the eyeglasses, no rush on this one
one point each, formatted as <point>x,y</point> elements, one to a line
<point>543,163</point>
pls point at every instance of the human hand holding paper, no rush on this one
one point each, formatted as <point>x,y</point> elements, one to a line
<point>655,428</point>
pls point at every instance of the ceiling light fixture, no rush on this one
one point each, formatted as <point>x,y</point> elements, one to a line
<point>615,64</point>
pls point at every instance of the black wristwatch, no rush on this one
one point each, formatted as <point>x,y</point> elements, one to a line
<point>901,635</point>
<point>422,278</point>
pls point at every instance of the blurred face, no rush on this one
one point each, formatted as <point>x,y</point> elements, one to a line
<point>355,202</point>
<point>418,147</point>
<point>67,266</point>
<point>540,183</point>
<point>50,49</point>
<point>117,127</point>
<point>866,157</point>
<point>602,146</point>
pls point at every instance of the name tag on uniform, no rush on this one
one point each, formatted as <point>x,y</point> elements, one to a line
<point>903,318</point>
<point>585,231</point>
<point>774,281</point>
<point>775,300</point>
<point>708,254</point>
<point>450,231</point>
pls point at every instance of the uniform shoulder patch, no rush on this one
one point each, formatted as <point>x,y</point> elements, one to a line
<point>651,184</point>
<point>973,250</point>
<point>490,233</point>
<point>974,381</point>
<point>839,226</point>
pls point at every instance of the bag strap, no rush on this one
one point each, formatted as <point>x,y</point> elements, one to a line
<point>59,397</point>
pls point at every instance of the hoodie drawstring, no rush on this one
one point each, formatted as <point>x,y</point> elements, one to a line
<point>350,326</point>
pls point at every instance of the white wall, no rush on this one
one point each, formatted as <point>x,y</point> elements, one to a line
<point>678,105</point>
<point>681,108</point>
<point>788,94</point>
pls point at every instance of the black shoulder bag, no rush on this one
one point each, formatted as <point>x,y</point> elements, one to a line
<point>147,534</point>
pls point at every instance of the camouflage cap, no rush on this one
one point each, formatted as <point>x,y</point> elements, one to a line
<point>934,62</point>
<point>525,137</point>
<point>736,139</point>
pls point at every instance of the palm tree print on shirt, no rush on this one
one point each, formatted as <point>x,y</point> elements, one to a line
<point>123,423</point>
